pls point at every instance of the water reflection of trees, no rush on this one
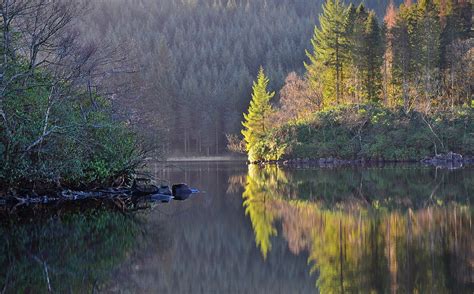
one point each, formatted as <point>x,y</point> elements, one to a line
<point>381,230</point>
<point>209,247</point>
<point>71,253</point>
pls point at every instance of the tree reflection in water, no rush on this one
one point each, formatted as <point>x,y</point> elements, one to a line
<point>73,252</point>
<point>353,230</point>
<point>370,230</point>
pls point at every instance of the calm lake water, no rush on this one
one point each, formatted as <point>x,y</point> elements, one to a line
<point>392,229</point>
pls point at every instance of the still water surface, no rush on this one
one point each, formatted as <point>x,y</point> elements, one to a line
<point>393,229</point>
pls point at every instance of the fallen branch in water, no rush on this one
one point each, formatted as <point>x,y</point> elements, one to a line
<point>121,197</point>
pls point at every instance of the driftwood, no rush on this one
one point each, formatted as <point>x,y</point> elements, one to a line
<point>123,197</point>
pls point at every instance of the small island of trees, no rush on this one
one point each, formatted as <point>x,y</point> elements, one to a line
<point>396,90</point>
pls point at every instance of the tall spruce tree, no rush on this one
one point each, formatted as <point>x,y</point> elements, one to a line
<point>373,59</point>
<point>357,44</point>
<point>256,120</point>
<point>388,25</point>
<point>404,51</point>
<point>428,33</point>
<point>331,49</point>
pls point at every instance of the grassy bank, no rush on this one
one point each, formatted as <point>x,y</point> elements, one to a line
<point>371,132</point>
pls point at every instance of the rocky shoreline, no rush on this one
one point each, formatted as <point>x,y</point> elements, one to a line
<point>449,160</point>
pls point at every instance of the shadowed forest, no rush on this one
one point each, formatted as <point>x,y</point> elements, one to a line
<point>195,60</point>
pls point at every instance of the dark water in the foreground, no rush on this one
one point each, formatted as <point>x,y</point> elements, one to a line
<point>404,229</point>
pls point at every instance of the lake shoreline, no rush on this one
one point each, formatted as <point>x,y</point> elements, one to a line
<point>449,160</point>
<point>205,158</point>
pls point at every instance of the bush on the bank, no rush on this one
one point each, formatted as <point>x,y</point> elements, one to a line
<point>372,132</point>
<point>55,130</point>
<point>85,146</point>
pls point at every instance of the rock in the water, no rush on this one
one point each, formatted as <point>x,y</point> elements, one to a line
<point>165,190</point>
<point>181,191</point>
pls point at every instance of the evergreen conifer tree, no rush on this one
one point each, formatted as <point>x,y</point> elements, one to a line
<point>358,45</point>
<point>405,51</point>
<point>256,120</point>
<point>373,59</point>
<point>429,35</point>
<point>388,25</point>
<point>331,49</point>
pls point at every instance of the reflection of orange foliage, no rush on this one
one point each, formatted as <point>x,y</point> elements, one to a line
<point>297,223</point>
<point>382,243</point>
<point>236,183</point>
<point>391,234</point>
<point>306,227</point>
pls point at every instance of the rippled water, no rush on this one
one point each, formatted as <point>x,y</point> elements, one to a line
<point>393,229</point>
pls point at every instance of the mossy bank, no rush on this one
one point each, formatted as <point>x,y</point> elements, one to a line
<point>371,132</point>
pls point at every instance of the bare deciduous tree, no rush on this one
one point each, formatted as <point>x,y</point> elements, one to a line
<point>298,99</point>
<point>43,35</point>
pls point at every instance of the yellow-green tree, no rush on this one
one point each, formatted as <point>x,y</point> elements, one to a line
<point>256,120</point>
<point>257,198</point>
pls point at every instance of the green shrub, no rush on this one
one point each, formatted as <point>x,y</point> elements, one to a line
<point>373,132</point>
<point>85,146</point>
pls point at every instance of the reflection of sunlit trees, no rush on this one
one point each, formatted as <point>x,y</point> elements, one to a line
<point>236,183</point>
<point>382,188</point>
<point>255,202</point>
<point>210,249</point>
<point>371,242</point>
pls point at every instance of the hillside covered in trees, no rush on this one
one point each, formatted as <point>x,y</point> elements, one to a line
<point>195,60</point>
<point>393,89</point>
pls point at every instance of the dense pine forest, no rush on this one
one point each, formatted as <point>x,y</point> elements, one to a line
<point>399,88</point>
<point>195,61</point>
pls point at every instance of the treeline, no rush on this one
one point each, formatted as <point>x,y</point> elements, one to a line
<point>416,63</point>
<point>419,57</point>
<point>55,128</point>
<point>195,60</point>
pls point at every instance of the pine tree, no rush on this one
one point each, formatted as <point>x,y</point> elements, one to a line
<point>366,49</point>
<point>456,23</point>
<point>256,120</point>
<point>373,59</point>
<point>404,51</point>
<point>357,44</point>
<point>389,23</point>
<point>331,49</point>
<point>429,35</point>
